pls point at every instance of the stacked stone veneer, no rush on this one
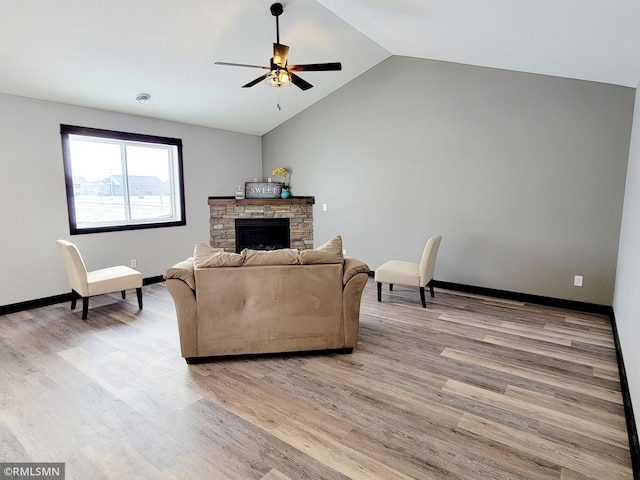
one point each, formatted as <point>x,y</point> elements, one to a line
<point>225,210</point>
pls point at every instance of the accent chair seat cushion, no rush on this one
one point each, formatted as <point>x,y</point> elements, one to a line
<point>399,272</point>
<point>112,279</point>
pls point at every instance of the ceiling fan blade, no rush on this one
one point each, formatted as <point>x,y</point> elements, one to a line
<point>280,54</point>
<point>241,65</point>
<point>256,81</point>
<point>315,67</point>
<point>299,82</point>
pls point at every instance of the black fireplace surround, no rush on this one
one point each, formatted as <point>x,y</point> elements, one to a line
<point>262,233</point>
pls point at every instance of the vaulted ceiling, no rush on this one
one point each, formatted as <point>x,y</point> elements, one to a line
<point>102,54</point>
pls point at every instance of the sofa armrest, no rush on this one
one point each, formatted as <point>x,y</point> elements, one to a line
<point>352,267</point>
<point>356,275</point>
<point>182,271</point>
<point>184,299</point>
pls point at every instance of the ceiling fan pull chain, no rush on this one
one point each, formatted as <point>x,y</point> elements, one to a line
<point>278,97</point>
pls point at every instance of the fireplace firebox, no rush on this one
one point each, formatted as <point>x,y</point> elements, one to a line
<point>262,233</point>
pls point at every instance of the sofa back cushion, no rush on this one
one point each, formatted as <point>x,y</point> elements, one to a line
<point>328,252</point>
<point>284,256</point>
<point>205,256</point>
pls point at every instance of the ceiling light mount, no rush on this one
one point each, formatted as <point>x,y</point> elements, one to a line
<point>276,9</point>
<point>143,98</point>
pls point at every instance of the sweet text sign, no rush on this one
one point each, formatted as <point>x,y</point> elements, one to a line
<point>261,190</point>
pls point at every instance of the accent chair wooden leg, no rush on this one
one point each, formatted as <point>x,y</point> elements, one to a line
<point>431,290</point>
<point>124,294</point>
<point>379,291</point>
<point>424,302</point>
<point>391,287</point>
<point>139,294</point>
<point>85,307</point>
<point>74,299</point>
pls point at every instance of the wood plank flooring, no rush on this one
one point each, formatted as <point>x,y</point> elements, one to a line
<point>470,388</point>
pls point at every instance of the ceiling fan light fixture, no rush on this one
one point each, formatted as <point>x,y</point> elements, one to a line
<point>278,78</point>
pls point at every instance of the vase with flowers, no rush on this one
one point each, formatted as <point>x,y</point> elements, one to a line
<point>284,186</point>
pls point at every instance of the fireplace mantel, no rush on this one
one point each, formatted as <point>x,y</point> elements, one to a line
<point>262,201</point>
<point>225,210</point>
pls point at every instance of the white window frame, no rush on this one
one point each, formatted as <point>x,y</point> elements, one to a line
<point>176,178</point>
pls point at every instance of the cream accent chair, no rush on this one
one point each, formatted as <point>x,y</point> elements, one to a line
<point>411,274</point>
<point>87,284</point>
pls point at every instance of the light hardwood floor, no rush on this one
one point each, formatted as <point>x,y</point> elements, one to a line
<point>470,388</point>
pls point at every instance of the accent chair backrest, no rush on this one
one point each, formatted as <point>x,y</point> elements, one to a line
<point>73,263</point>
<point>428,260</point>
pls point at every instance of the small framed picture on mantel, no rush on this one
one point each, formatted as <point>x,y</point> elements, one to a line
<point>262,190</point>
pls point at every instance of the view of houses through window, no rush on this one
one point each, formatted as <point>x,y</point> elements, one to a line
<point>117,183</point>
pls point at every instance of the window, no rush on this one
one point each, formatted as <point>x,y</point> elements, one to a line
<point>121,181</point>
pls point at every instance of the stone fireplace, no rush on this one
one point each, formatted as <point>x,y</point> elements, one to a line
<point>224,211</point>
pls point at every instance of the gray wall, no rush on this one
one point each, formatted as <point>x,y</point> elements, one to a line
<point>522,174</point>
<point>33,196</point>
<point>626,301</point>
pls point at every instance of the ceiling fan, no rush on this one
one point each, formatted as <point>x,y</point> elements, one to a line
<point>280,74</point>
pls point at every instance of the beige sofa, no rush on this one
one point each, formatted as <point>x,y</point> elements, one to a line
<point>266,302</point>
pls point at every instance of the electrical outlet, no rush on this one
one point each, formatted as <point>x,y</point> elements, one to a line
<point>577,281</point>
<point>324,207</point>
<point>344,251</point>
<point>134,263</point>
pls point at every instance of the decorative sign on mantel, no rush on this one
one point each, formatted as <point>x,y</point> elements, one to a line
<point>261,190</point>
